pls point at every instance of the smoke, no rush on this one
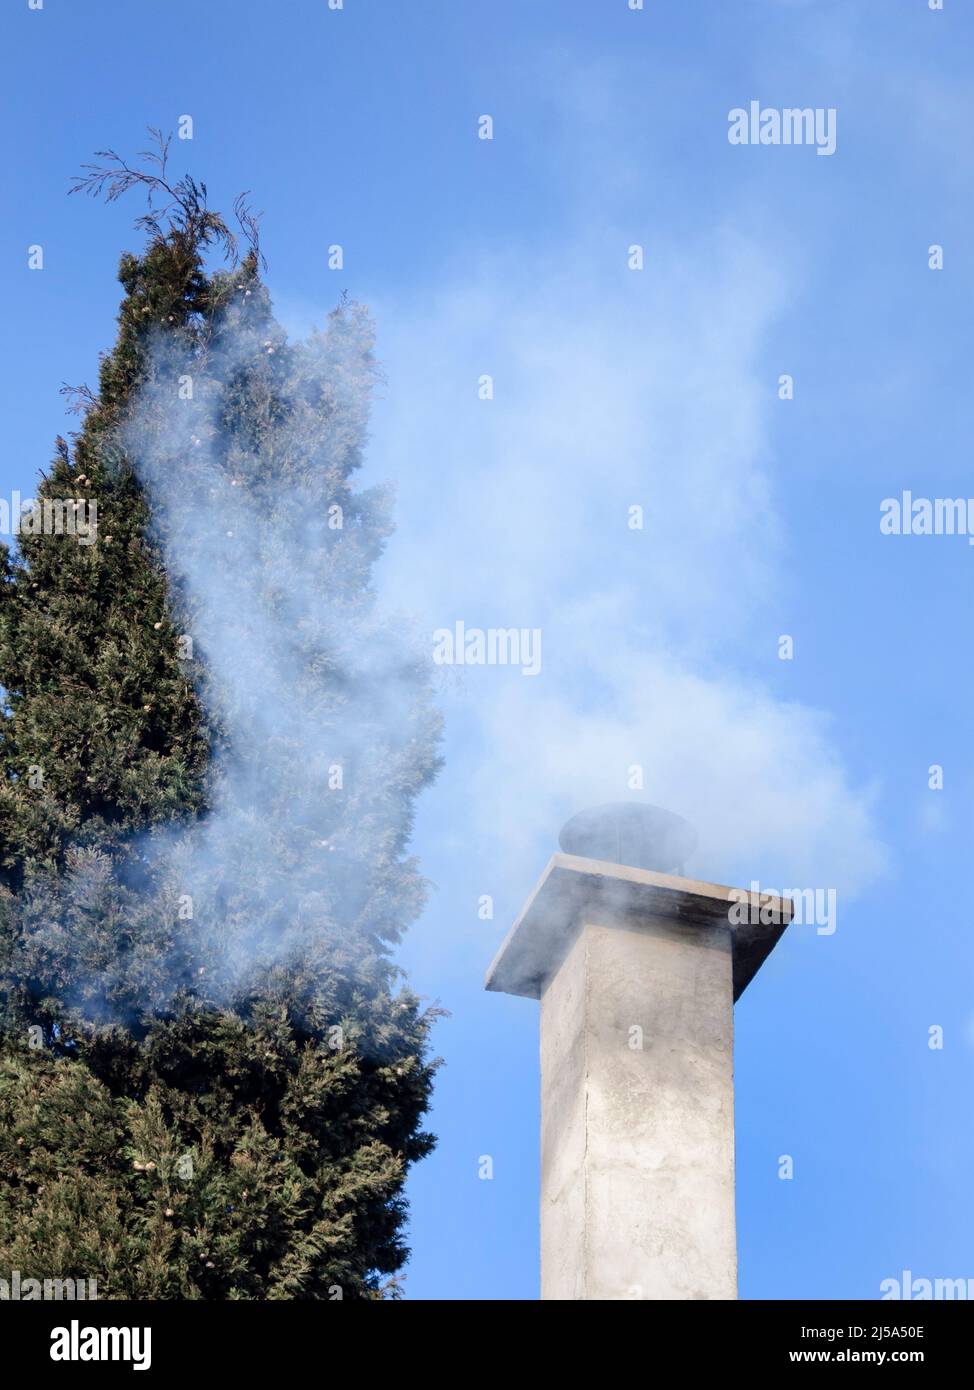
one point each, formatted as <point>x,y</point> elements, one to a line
<point>317,701</point>
<point>661,678</point>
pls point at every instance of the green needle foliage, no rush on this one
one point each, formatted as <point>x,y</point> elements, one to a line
<point>212,1076</point>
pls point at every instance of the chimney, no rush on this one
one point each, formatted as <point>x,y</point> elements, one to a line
<point>637,969</point>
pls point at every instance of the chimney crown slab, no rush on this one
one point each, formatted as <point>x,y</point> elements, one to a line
<point>573,888</point>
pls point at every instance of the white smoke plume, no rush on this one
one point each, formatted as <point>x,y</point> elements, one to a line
<point>318,703</point>
<point>614,389</point>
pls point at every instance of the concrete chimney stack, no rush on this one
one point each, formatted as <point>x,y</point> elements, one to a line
<point>637,970</point>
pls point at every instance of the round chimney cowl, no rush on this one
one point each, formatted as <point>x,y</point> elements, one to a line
<point>631,833</point>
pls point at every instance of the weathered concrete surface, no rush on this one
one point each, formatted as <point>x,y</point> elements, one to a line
<point>637,975</point>
<point>637,1128</point>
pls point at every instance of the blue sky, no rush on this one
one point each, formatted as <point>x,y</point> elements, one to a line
<point>615,388</point>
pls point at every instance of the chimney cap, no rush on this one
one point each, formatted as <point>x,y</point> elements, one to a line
<point>631,833</point>
<point>570,889</point>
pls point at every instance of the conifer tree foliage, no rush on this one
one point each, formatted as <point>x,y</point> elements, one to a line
<point>212,1077</point>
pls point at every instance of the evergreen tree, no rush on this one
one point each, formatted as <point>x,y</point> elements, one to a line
<point>212,1078</point>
